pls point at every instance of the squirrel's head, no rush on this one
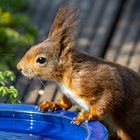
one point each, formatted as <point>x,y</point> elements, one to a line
<point>42,59</point>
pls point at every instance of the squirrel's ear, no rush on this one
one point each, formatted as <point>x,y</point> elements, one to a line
<point>64,28</point>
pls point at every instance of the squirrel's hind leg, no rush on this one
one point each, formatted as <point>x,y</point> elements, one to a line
<point>85,116</point>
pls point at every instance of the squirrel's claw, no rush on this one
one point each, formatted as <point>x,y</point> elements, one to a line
<point>75,122</point>
<point>48,106</point>
<point>82,117</point>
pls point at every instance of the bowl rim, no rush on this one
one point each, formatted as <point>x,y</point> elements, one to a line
<point>32,109</point>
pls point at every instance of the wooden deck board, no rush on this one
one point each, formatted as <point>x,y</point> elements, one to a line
<point>90,26</point>
<point>135,60</point>
<point>105,27</point>
<point>48,92</point>
<point>120,33</point>
<point>31,93</point>
<point>125,42</point>
<point>48,20</point>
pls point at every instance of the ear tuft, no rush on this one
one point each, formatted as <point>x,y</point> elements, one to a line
<point>66,22</point>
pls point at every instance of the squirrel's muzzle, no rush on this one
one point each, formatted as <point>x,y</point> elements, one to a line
<point>19,67</point>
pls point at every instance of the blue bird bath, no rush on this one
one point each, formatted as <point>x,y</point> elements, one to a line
<point>25,122</point>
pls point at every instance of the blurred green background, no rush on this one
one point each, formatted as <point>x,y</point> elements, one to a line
<point>16,31</point>
<point>16,34</point>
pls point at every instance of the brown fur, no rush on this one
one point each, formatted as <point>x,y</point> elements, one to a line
<point>110,89</point>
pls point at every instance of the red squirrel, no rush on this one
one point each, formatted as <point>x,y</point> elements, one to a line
<point>99,87</point>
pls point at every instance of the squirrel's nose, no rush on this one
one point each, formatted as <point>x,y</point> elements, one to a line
<point>20,70</point>
<point>19,67</point>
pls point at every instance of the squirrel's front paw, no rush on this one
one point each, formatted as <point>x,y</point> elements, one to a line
<point>50,106</point>
<point>82,117</point>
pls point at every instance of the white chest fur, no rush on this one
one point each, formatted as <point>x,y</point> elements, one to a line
<point>74,98</point>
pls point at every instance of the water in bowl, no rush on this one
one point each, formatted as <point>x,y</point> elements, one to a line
<point>21,136</point>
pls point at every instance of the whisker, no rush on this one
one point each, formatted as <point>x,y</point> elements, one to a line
<point>29,80</point>
<point>37,77</point>
<point>41,82</point>
<point>30,73</point>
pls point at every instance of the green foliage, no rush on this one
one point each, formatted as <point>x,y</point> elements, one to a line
<point>16,31</point>
<point>16,34</point>
<point>5,90</point>
<point>15,5</point>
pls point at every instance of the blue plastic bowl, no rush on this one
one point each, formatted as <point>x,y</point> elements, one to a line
<point>25,122</point>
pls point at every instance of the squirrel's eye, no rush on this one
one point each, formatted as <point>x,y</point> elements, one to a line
<point>41,60</point>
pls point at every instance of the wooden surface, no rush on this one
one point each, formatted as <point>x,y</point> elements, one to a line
<point>108,28</point>
<point>125,45</point>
